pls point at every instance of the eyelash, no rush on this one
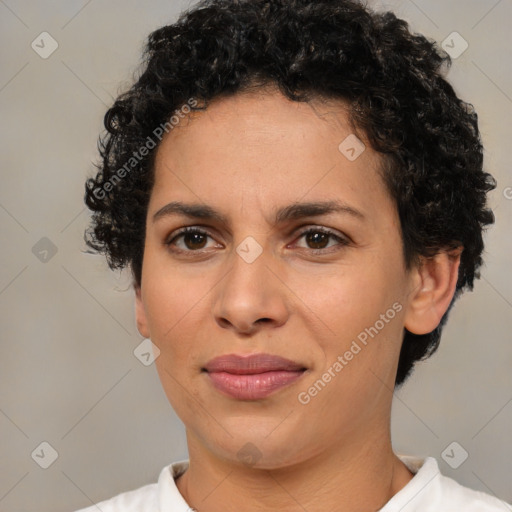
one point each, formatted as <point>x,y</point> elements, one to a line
<point>193,230</point>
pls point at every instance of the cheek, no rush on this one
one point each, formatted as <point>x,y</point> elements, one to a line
<point>182,394</point>
<point>172,301</point>
<point>355,313</point>
<point>175,310</point>
<point>348,298</point>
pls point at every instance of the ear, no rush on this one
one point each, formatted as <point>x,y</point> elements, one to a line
<point>434,283</point>
<point>140,313</point>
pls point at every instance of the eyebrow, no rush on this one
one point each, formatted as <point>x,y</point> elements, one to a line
<point>291,212</point>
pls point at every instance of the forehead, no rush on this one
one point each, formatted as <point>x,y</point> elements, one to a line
<point>261,115</point>
<point>263,148</point>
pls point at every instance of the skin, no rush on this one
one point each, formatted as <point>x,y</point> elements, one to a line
<point>247,156</point>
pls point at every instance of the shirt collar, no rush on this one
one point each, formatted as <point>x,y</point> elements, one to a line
<point>425,470</point>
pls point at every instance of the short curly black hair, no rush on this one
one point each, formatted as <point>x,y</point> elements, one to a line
<point>391,79</point>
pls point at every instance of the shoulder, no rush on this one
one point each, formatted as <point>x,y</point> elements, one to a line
<point>430,491</point>
<point>163,495</point>
<point>143,499</point>
<point>458,497</point>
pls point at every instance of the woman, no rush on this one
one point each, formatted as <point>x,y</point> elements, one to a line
<point>300,197</point>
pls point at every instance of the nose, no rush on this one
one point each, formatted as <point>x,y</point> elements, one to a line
<point>250,297</point>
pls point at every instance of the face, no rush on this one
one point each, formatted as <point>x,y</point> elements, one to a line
<point>326,289</point>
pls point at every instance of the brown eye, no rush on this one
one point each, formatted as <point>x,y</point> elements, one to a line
<point>317,239</point>
<point>192,239</point>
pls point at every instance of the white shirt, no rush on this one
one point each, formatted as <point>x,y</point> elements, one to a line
<point>427,491</point>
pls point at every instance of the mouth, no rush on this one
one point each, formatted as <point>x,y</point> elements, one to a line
<point>252,377</point>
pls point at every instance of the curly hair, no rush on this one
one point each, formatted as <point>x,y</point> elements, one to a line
<point>391,79</point>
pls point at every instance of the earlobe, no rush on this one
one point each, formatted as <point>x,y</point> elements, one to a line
<point>433,289</point>
<point>140,313</point>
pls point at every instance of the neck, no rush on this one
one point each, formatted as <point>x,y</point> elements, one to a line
<point>357,476</point>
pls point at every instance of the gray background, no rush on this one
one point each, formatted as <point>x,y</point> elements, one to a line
<point>68,375</point>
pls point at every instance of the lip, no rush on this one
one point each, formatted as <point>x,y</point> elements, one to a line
<point>252,377</point>
<point>251,364</point>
